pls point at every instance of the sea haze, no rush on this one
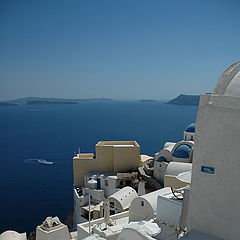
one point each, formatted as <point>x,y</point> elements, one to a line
<point>30,135</point>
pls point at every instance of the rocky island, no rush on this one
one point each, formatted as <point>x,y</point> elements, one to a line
<point>42,102</point>
<point>46,101</point>
<point>185,100</point>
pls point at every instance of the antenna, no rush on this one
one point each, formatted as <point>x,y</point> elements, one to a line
<point>106,212</point>
<point>78,150</point>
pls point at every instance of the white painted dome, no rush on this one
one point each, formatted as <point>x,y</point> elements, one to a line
<point>12,235</point>
<point>229,82</point>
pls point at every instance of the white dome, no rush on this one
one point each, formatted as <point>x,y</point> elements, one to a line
<point>12,235</point>
<point>229,82</point>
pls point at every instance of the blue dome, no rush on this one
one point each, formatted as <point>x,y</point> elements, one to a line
<point>182,151</point>
<point>191,128</point>
<point>162,159</point>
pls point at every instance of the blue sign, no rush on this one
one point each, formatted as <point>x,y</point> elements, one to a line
<point>209,170</point>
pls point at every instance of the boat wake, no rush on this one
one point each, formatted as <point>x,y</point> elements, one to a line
<point>38,160</point>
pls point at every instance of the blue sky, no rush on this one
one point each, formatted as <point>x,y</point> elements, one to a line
<point>121,49</point>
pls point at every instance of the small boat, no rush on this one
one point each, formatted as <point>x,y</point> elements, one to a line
<point>38,160</point>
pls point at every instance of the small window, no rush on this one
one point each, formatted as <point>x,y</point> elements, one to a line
<point>112,212</point>
<point>106,183</point>
<point>142,203</point>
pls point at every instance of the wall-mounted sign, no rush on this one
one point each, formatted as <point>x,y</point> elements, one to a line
<point>207,169</point>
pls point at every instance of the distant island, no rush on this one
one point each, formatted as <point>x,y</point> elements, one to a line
<point>185,100</point>
<point>180,100</point>
<point>147,100</point>
<point>42,101</point>
<point>6,104</point>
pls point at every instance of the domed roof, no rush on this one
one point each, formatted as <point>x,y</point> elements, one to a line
<point>190,128</point>
<point>182,151</point>
<point>229,82</point>
<point>9,234</point>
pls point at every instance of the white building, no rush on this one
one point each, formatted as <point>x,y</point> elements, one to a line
<point>104,230</point>
<point>143,230</point>
<point>52,229</point>
<point>210,208</point>
<point>181,151</point>
<point>100,186</point>
<point>174,172</point>
<point>121,200</point>
<point>214,202</point>
<point>145,207</point>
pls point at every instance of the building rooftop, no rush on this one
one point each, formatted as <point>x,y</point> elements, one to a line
<point>195,235</point>
<point>99,226</point>
<point>191,128</point>
<point>118,143</point>
<point>182,151</point>
<point>84,156</point>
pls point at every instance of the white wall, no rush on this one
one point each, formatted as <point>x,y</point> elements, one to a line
<point>144,207</point>
<point>215,198</point>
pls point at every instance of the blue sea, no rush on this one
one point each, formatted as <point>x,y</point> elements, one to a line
<point>30,190</point>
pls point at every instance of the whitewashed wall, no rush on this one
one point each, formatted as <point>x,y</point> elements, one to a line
<point>215,197</point>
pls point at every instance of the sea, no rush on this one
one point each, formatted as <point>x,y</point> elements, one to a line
<point>34,136</point>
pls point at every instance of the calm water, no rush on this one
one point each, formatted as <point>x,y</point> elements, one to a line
<point>31,191</point>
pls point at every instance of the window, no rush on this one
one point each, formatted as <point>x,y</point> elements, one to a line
<point>112,212</point>
<point>142,203</point>
<point>112,204</point>
<point>106,183</point>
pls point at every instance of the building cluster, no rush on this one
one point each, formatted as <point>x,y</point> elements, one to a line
<point>188,190</point>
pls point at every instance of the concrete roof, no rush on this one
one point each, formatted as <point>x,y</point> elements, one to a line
<point>152,197</point>
<point>145,157</point>
<point>169,146</point>
<point>195,235</point>
<point>146,227</point>
<point>124,196</point>
<point>174,168</point>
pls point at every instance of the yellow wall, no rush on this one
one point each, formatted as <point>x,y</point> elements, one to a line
<point>81,167</point>
<point>110,157</point>
<point>126,158</point>
<point>104,155</point>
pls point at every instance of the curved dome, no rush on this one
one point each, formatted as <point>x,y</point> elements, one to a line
<point>191,128</point>
<point>182,151</point>
<point>229,82</point>
<point>162,159</point>
<point>7,235</point>
<point>124,197</point>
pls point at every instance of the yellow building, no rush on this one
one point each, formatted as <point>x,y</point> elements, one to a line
<point>111,156</point>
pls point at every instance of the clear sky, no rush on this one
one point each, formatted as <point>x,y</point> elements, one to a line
<point>120,49</point>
